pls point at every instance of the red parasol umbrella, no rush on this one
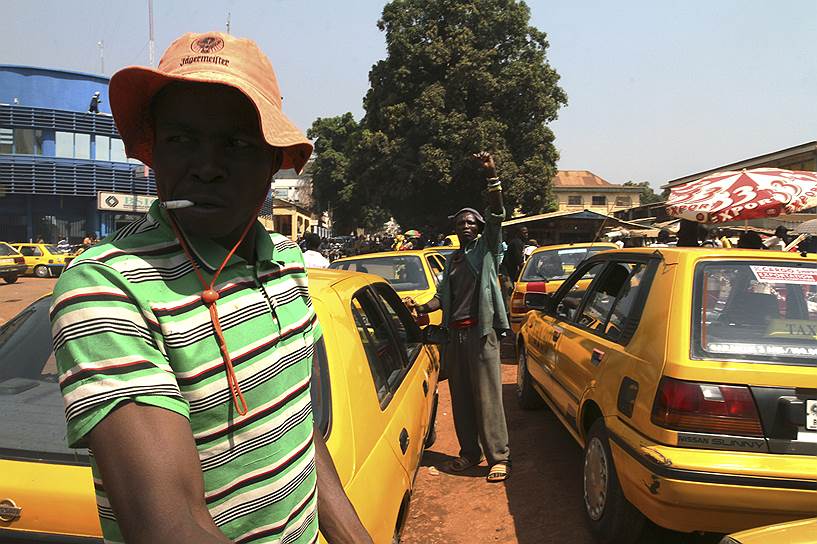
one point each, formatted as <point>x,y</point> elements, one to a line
<point>748,194</point>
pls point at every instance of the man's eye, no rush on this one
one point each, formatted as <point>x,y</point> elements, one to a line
<point>240,143</point>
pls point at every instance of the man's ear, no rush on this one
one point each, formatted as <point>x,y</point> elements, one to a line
<point>277,159</point>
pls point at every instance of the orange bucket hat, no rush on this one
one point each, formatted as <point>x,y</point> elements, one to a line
<point>211,57</point>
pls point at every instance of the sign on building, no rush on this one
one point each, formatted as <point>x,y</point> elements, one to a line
<point>123,202</point>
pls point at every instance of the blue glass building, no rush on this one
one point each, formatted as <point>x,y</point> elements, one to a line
<point>56,156</point>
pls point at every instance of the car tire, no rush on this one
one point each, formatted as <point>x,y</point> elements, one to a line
<point>41,271</point>
<point>11,278</point>
<point>612,518</point>
<point>527,396</point>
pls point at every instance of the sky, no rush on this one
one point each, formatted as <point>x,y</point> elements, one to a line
<point>656,89</point>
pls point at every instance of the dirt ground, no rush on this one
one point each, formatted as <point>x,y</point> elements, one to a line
<point>16,296</point>
<point>540,503</point>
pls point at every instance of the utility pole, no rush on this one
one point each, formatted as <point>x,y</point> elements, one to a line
<point>228,22</point>
<point>101,46</point>
<point>151,40</point>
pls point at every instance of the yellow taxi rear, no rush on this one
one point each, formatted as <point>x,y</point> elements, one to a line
<point>690,377</point>
<point>543,273</point>
<point>412,273</point>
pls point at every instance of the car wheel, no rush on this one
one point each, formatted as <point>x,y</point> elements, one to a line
<point>41,271</point>
<point>612,518</point>
<point>528,398</point>
<point>432,422</point>
<point>11,278</point>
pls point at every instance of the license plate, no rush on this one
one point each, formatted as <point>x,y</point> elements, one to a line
<point>811,415</point>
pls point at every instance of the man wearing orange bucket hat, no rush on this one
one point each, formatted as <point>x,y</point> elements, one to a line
<point>184,341</point>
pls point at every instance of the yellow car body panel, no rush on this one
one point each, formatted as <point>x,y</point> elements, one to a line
<point>427,257</point>
<point>363,438</point>
<point>682,486</point>
<point>54,262</point>
<point>521,287</point>
<point>802,531</point>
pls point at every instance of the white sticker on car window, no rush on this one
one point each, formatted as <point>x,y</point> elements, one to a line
<point>785,274</point>
<point>761,349</point>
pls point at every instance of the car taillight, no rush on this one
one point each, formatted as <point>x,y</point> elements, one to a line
<point>518,302</point>
<point>19,260</point>
<point>706,408</point>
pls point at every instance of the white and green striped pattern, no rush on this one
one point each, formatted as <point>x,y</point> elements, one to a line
<point>128,324</point>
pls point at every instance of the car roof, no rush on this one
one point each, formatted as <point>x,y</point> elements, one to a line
<point>578,245</point>
<point>404,253</point>
<point>322,278</point>
<point>673,254</point>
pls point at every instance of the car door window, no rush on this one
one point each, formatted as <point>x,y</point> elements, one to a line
<point>408,335</point>
<point>436,270</point>
<point>600,300</point>
<point>568,304</point>
<point>386,363</point>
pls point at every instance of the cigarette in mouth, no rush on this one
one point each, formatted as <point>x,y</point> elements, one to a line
<point>176,204</point>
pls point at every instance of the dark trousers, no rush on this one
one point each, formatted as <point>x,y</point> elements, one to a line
<point>475,381</point>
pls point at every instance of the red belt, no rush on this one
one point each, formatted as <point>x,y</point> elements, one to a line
<point>463,323</point>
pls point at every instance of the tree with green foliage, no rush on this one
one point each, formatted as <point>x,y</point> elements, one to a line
<point>459,77</point>
<point>648,195</point>
<point>334,187</point>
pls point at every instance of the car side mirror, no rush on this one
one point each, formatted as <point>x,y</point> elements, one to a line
<point>539,301</point>
<point>435,335</point>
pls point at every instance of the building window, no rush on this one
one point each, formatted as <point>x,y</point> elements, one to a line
<point>64,144</point>
<point>575,200</point>
<point>599,200</point>
<point>82,146</point>
<point>6,141</point>
<point>624,201</point>
<point>103,148</point>
<point>28,141</point>
<point>118,151</point>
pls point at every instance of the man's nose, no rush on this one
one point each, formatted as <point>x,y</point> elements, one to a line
<point>211,164</point>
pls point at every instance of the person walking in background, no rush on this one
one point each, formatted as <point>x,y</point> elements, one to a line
<point>779,240</point>
<point>662,240</point>
<point>515,256</point>
<point>750,240</point>
<point>313,258</point>
<point>688,233</point>
<point>474,311</point>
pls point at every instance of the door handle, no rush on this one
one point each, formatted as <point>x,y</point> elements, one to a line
<point>425,388</point>
<point>556,334</point>
<point>404,440</point>
<point>597,356</point>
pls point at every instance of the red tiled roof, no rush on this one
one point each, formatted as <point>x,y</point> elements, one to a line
<point>579,178</point>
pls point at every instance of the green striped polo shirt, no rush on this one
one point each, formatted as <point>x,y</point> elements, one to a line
<point>128,324</point>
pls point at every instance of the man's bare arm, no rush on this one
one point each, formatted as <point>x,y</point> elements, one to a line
<point>152,476</point>
<point>337,518</point>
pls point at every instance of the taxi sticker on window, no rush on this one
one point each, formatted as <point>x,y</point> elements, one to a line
<point>785,274</point>
<point>761,349</point>
<point>811,415</point>
<point>792,328</point>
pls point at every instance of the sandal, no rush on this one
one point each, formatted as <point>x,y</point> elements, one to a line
<point>499,472</point>
<point>463,463</point>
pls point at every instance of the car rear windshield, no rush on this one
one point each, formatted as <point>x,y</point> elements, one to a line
<point>33,422</point>
<point>556,264</point>
<point>764,311</point>
<point>6,250</point>
<point>403,272</point>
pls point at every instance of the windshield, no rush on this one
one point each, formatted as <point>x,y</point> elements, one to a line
<point>6,250</point>
<point>557,264</point>
<point>757,311</point>
<point>403,272</point>
<point>33,422</point>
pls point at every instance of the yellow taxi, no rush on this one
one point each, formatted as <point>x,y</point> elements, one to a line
<point>802,531</point>
<point>373,396</point>
<point>44,260</point>
<point>412,273</point>
<point>689,377</point>
<point>543,273</point>
<point>12,264</point>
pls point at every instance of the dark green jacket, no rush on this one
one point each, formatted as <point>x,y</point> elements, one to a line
<point>483,256</point>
